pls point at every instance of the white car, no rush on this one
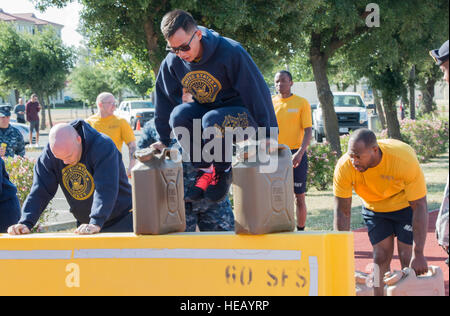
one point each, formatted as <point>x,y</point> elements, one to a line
<point>134,111</point>
<point>24,129</point>
<point>350,110</point>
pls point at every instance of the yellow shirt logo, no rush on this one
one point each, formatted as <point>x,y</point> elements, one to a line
<point>78,181</point>
<point>202,85</point>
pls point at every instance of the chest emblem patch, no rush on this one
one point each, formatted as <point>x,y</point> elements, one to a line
<point>202,85</point>
<point>78,181</point>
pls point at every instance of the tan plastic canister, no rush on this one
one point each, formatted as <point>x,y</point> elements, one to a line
<point>158,192</point>
<point>406,283</point>
<point>264,201</point>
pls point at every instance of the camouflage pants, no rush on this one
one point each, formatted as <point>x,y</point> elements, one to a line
<point>209,216</point>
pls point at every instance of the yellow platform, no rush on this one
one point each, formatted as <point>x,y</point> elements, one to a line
<point>201,264</point>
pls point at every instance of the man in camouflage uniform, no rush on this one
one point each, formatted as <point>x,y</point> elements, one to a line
<point>11,140</point>
<point>209,216</point>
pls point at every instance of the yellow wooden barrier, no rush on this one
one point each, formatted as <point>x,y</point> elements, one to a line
<point>200,264</point>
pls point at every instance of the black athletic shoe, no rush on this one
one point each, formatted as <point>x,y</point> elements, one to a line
<point>202,182</point>
<point>219,186</point>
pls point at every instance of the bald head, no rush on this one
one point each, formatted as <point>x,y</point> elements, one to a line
<point>106,104</point>
<point>65,143</point>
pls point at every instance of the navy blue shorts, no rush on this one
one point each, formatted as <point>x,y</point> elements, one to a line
<point>382,225</point>
<point>300,174</point>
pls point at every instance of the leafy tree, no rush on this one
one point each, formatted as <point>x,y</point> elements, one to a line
<point>37,63</point>
<point>134,26</point>
<point>385,56</point>
<point>87,81</point>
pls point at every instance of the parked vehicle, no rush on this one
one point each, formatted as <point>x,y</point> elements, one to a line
<point>351,112</point>
<point>134,111</point>
<point>24,129</point>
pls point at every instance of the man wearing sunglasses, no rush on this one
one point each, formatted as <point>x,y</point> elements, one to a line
<point>228,92</point>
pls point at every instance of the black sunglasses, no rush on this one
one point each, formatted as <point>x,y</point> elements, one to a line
<point>182,48</point>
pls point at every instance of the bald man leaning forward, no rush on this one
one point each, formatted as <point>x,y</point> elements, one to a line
<point>89,169</point>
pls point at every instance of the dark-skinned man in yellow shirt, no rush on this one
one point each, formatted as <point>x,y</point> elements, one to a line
<point>387,176</point>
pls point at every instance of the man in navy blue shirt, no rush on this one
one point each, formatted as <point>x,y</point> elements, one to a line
<point>90,171</point>
<point>228,91</point>
<point>9,203</point>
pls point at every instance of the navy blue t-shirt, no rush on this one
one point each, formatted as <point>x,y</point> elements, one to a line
<point>96,188</point>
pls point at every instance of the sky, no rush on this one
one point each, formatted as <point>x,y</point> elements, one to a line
<point>67,16</point>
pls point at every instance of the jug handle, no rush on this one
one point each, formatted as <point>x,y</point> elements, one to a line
<point>167,152</point>
<point>269,149</point>
<point>145,154</point>
<point>392,278</point>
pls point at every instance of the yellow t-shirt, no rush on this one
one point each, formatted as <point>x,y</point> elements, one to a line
<point>387,187</point>
<point>293,116</point>
<point>115,127</point>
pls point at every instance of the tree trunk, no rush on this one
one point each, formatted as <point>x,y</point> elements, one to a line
<point>390,109</point>
<point>379,107</point>
<point>17,95</point>
<point>152,45</point>
<point>412,93</point>
<point>42,103</point>
<point>404,101</point>
<point>49,113</point>
<point>319,64</point>
<point>428,95</point>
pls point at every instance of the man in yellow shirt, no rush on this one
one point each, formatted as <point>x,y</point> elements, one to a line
<point>295,130</point>
<point>387,176</point>
<point>116,128</point>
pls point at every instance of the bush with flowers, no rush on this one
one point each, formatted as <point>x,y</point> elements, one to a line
<point>321,163</point>
<point>428,136</point>
<point>20,172</point>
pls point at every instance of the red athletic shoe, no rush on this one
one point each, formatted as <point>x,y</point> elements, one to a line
<point>202,182</point>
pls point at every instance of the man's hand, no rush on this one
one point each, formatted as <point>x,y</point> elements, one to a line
<point>18,229</point>
<point>158,145</point>
<point>2,151</point>
<point>87,229</point>
<point>297,158</point>
<point>419,264</point>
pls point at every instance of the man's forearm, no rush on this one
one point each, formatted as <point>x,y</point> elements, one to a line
<point>306,139</point>
<point>419,223</point>
<point>131,151</point>
<point>342,214</point>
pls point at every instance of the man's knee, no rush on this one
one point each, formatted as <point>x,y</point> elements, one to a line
<point>382,256</point>
<point>181,116</point>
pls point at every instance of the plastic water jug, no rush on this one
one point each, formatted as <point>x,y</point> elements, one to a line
<point>406,283</point>
<point>158,192</point>
<point>263,191</point>
<point>364,284</point>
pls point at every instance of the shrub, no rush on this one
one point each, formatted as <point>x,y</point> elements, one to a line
<point>20,172</point>
<point>322,161</point>
<point>428,136</point>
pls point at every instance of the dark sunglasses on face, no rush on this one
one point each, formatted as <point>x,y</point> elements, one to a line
<point>182,48</point>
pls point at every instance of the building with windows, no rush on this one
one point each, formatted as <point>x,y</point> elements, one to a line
<point>29,23</point>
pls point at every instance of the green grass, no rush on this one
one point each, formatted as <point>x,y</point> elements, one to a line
<point>320,203</point>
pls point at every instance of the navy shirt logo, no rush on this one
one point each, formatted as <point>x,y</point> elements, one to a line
<point>202,85</point>
<point>78,181</point>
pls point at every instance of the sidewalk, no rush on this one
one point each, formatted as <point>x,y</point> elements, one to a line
<point>434,254</point>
